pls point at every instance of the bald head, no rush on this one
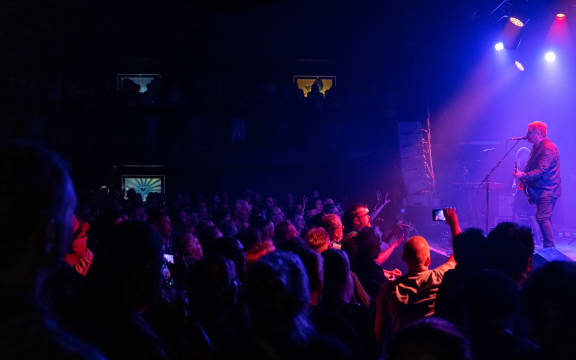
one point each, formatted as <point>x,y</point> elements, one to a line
<point>417,251</point>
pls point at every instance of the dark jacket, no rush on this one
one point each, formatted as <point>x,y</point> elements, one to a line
<point>542,176</point>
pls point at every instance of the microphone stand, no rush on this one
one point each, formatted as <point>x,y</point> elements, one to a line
<point>486,181</point>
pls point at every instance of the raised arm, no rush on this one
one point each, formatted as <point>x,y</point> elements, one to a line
<point>452,221</point>
<point>395,239</point>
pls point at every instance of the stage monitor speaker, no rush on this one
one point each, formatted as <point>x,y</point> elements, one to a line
<point>545,255</point>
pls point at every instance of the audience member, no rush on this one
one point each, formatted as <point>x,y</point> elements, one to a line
<point>312,263</point>
<point>214,318</point>
<point>469,253</point>
<point>37,209</point>
<point>285,231</point>
<point>239,296</point>
<point>278,300</point>
<point>338,315</point>
<point>365,249</point>
<point>490,301</point>
<point>124,281</point>
<point>413,295</point>
<point>549,297</point>
<point>430,339</point>
<point>318,239</point>
<point>509,249</point>
<point>160,221</point>
<point>332,224</point>
<point>356,218</point>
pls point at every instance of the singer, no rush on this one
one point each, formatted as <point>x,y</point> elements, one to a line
<point>541,178</point>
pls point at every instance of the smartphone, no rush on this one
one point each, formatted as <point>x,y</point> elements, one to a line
<point>438,215</point>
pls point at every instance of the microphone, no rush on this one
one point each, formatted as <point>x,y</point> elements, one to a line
<point>519,138</point>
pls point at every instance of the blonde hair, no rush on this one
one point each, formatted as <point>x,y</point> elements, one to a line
<point>540,126</point>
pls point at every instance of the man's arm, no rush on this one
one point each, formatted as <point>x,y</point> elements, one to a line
<point>452,221</point>
<point>544,163</point>
<point>397,232</point>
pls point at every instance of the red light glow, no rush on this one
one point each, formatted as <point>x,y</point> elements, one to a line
<point>560,16</point>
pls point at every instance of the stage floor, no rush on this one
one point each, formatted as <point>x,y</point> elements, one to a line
<point>565,246</point>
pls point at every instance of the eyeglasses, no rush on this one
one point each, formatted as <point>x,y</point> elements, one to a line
<point>361,216</point>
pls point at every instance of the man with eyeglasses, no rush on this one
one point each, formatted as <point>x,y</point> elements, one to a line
<point>356,218</point>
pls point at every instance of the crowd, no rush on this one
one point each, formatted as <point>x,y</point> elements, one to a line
<point>248,277</point>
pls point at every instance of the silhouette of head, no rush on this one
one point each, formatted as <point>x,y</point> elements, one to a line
<point>549,299</point>
<point>510,248</point>
<point>430,339</point>
<point>338,283</point>
<point>36,211</point>
<point>278,295</point>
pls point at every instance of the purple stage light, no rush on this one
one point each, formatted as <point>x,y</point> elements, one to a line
<point>550,56</point>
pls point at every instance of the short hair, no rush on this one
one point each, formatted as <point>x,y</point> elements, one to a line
<point>312,260</point>
<point>540,126</point>
<point>278,294</point>
<point>434,337</point>
<point>211,282</point>
<point>470,248</point>
<point>317,238</point>
<point>330,222</point>
<point>283,232</point>
<point>549,302</point>
<point>336,275</point>
<point>510,248</point>
<point>228,247</point>
<point>35,187</point>
<point>348,218</point>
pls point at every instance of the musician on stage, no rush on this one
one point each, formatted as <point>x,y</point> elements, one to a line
<point>541,178</point>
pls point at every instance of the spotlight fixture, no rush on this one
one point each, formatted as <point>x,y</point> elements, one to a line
<point>550,56</point>
<point>516,22</point>
<point>560,16</point>
<point>499,46</point>
<point>519,65</point>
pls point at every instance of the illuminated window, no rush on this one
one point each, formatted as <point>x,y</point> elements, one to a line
<point>324,83</point>
<point>143,184</point>
<point>142,80</point>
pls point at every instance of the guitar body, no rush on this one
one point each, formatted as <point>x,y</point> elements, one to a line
<point>521,185</point>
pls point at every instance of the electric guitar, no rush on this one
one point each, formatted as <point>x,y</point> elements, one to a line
<point>518,184</point>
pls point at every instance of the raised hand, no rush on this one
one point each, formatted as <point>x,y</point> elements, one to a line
<point>451,217</point>
<point>387,199</point>
<point>452,221</point>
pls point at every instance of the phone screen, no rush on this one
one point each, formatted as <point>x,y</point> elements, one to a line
<point>438,215</point>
